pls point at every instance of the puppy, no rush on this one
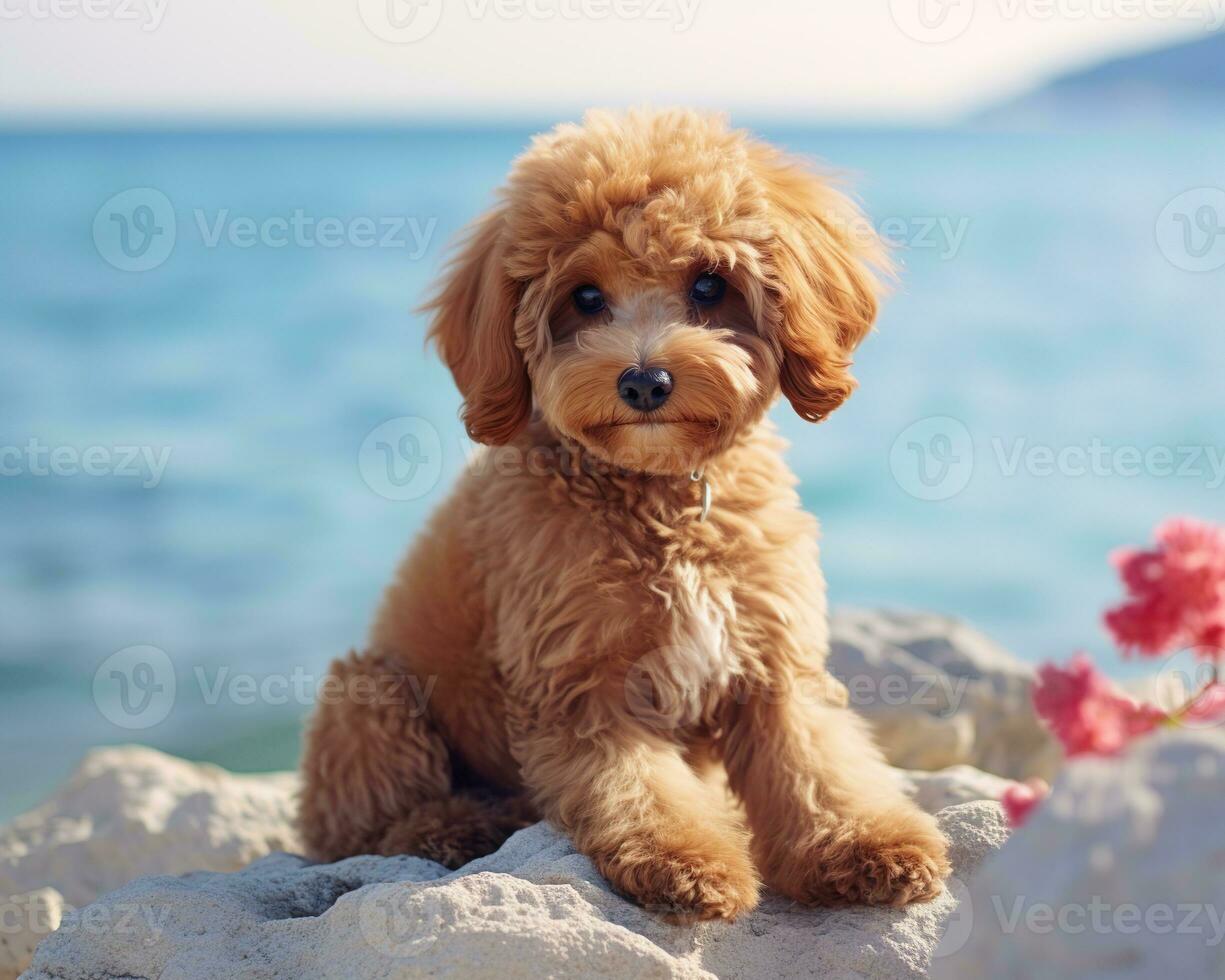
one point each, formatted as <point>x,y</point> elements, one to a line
<point>619,616</point>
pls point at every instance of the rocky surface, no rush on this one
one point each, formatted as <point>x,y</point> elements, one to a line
<point>1120,874</point>
<point>133,811</point>
<point>934,791</point>
<point>940,694</point>
<point>128,812</point>
<point>535,908</point>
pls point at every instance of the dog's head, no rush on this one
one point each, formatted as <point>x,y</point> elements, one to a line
<point>649,282</point>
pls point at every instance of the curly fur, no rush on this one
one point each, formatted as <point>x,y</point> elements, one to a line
<point>597,654</point>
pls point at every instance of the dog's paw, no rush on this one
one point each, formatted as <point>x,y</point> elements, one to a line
<point>683,886</point>
<point>893,874</point>
<point>870,866</point>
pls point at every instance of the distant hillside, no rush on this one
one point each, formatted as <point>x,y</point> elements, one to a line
<point>1185,77</point>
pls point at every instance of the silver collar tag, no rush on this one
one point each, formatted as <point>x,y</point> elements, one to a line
<point>697,476</point>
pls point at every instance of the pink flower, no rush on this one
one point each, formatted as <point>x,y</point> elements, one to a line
<point>1176,591</point>
<point>1019,800</point>
<point>1087,713</point>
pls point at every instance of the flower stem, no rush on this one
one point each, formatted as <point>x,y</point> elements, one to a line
<point>1213,679</point>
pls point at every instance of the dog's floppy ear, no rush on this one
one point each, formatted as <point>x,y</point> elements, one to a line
<point>474,330</point>
<point>826,267</point>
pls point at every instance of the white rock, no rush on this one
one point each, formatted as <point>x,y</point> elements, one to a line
<point>939,694</point>
<point>1119,874</point>
<point>24,921</point>
<point>933,791</point>
<point>535,908</point>
<point>127,812</point>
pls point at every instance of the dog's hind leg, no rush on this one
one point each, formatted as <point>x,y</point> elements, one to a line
<point>377,776</point>
<point>457,829</point>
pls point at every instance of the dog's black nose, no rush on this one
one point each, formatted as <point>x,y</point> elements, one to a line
<point>645,390</point>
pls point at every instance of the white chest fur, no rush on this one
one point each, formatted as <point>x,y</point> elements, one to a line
<point>679,684</point>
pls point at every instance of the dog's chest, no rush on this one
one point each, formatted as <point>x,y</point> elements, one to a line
<point>691,671</point>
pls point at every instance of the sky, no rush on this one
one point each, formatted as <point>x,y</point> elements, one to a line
<point>850,61</point>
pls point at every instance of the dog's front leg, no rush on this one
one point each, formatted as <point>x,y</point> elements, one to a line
<point>830,823</point>
<point>653,828</point>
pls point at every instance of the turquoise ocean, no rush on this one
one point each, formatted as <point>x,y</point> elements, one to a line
<point>181,444</point>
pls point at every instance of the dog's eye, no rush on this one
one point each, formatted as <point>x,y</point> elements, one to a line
<point>589,300</point>
<point>708,289</point>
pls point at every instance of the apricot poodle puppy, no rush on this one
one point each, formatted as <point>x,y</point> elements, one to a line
<point>618,615</point>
